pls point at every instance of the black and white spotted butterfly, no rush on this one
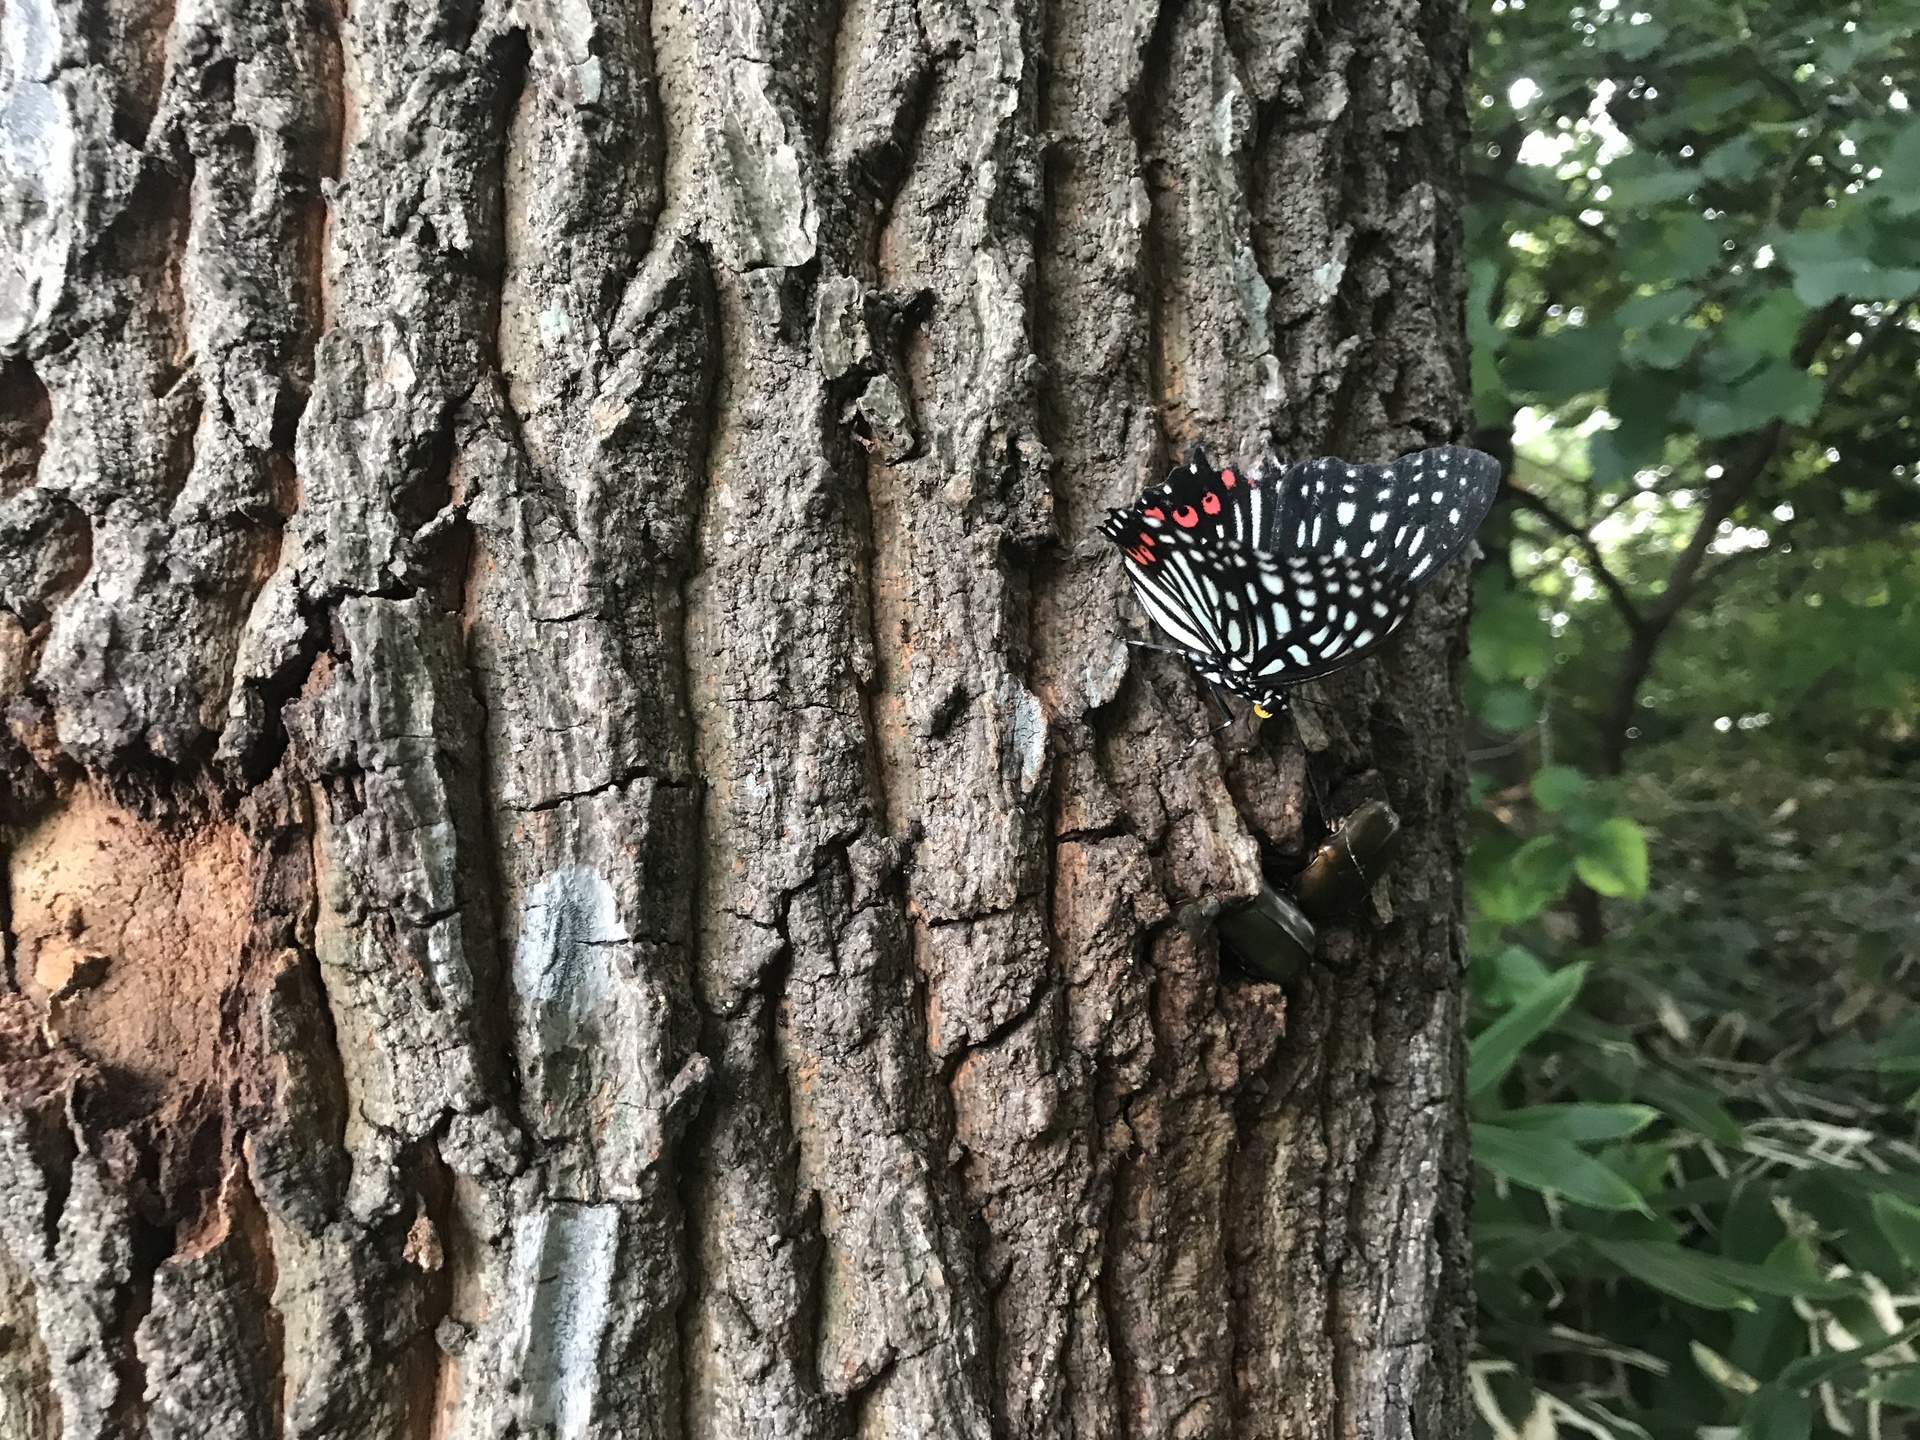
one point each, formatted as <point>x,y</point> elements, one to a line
<point>1268,579</point>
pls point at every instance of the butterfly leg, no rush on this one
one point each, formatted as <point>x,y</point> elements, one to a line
<point>1163,649</point>
<point>1219,699</point>
<point>1313,786</point>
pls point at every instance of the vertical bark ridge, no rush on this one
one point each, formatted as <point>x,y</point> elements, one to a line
<point>193,193</point>
<point>1226,175</point>
<point>582,482</point>
<point>388,730</point>
<point>1352,1182</point>
<point>963,509</point>
<point>28,1407</point>
<point>798,886</point>
<point>752,1325</point>
<point>1144,164</point>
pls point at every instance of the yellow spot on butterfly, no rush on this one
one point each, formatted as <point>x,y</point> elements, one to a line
<point>1263,712</point>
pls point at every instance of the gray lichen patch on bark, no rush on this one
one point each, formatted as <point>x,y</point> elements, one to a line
<point>587,854</point>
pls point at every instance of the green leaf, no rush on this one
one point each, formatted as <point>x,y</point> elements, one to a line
<point>1483,282</point>
<point>1496,1048</point>
<point>1663,347</point>
<point>1674,1270</point>
<point>1613,859</point>
<point>1680,246</point>
<point>1832,262</point>
<point>1555,1166</point>
<point>1580,1123</point>
<point>1793,1268</point>
<point>1777,391</point>
<point>1768,326</point>
<point>1693,1108</point>
<point>1777,1414</point>
<point>1725,364</point>
<point>1509,639</point>
<point>1709,97</point>
<point>1649,184</point>
<point>1902,1387</point>
<point>1544,864</point>
<point>1739,159</point>
<point>1899,1221</point>
<point>1642,402</point>
<point>1509,708</point>
<point>1491,407</point>
<point>1898,187</point>
<point>1811,1370</point>
<point>1513,1247</point>
<point>1660,308</point>
<point>1634,42</point>
<point>1517,971</point>
<point>1557,786</point>
<point>1567,363</point>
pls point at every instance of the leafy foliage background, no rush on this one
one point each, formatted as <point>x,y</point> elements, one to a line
<point>1695,267</point>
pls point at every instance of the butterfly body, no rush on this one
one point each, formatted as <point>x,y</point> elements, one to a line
<point>1268,578</point>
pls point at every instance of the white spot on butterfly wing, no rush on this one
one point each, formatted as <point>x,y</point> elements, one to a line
<point>1344,513</point>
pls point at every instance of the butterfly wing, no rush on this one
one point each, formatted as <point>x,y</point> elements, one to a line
<point>1316,614</point>
<point>1175,537</point>
<point>1408,518</point>
<point>1176,590</point>
<point>1292,572</point>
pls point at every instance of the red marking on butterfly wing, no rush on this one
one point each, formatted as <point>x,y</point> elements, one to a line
<point>1186,517</point>
<point>1210,503</point>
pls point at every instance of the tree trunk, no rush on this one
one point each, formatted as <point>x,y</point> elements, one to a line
<point>586,855</point>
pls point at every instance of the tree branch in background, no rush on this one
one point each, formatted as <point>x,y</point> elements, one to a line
<point>1723,497</point>
<point>1513,189</point>
<point>1616,592</point>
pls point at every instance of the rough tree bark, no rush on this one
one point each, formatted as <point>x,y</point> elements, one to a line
<point>585,853</point>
